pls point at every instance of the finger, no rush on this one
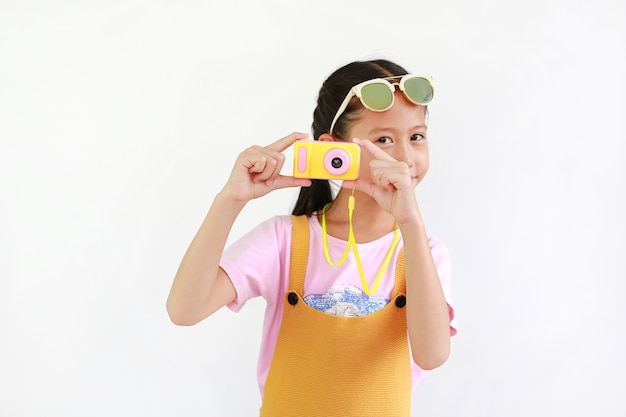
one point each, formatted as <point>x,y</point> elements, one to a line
<point>268,161</point>
<point>264,162</point>
<point>273,163</point>
<point>268,171</point>
<point>401,168</point>
<point>283,181</point>
<point>374,150</point>
<point>282,144</point>
<point>255,163</point>
<point>390,177</point>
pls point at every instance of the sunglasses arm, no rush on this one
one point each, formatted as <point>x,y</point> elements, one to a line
<point>342,108</point>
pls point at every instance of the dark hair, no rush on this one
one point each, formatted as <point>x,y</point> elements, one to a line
<point>331,94</point>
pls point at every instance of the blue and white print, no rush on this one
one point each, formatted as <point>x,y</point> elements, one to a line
<point>346,301</point>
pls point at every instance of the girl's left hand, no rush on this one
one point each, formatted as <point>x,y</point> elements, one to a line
<point>391,184</point>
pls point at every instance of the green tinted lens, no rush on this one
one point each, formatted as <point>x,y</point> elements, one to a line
<point>376,96</point>
<point>419,90</point>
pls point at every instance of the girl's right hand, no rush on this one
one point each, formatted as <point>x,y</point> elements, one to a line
<point>257,171</point>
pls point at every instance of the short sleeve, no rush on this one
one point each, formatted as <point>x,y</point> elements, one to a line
<point>441,257</point>
<point>255,262</point>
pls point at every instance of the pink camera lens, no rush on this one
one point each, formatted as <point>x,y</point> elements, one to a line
<point>336,161</point>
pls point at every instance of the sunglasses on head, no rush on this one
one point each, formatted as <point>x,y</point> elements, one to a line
<point>378,94</point>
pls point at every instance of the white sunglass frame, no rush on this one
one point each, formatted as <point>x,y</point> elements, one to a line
<point>357,91</point>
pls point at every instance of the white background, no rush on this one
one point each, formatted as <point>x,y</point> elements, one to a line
<point>120,120</point>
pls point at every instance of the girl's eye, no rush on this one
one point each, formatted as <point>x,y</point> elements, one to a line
<point>417,136</point>
<point>384,139</point>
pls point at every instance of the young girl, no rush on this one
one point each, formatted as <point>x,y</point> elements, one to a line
<point>358,302</point>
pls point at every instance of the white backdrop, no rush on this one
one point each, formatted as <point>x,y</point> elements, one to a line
<point>120,120</point>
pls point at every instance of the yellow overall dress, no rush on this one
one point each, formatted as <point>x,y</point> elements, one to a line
<point>325,365</point>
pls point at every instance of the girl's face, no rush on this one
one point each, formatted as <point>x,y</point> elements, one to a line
<point>400,132</point>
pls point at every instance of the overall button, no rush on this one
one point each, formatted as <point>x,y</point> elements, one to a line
<point>292,298</point>
<point>400,301</point>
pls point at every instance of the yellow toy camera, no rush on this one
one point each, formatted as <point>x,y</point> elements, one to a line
<point>326,160</point>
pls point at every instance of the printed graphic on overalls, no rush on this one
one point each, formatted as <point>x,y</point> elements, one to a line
<point>346,301</point>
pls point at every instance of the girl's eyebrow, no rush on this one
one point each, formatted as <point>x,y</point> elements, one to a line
<point>393,129</point>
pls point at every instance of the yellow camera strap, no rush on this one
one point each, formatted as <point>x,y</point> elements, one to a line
<point>352,244</point>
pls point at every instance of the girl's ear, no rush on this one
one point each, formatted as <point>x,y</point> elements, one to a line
<point>327,137</point>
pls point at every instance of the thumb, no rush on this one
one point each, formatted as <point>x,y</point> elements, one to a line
<point>283,181</point>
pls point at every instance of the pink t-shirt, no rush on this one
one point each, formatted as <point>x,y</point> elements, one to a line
<point>258,265</point>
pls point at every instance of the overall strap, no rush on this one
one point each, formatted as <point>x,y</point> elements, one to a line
<point>299,252</point>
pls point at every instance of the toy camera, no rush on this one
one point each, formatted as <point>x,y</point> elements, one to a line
<point>326,160</point>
